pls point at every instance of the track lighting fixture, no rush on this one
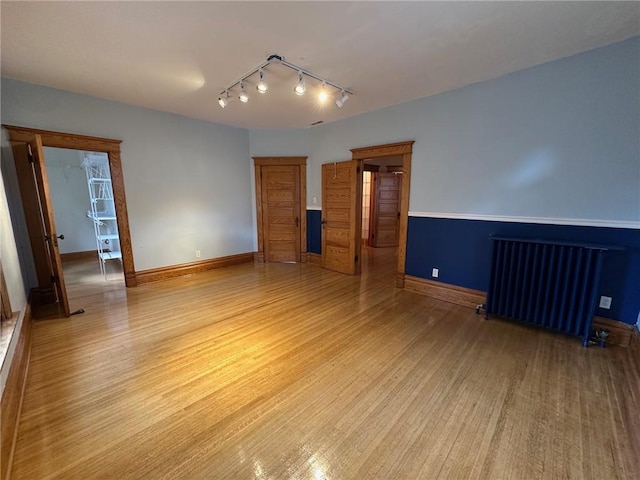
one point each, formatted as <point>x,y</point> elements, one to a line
<point>342,100</point>
<point>223,101</point>
<point>299,89</point>
<point>244,98</point>
<point>322,96</point>
<point>262,86</point>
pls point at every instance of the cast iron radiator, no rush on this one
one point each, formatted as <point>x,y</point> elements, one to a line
<point>547,284</point>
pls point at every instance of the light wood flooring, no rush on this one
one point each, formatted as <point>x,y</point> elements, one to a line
<point>284,371</point>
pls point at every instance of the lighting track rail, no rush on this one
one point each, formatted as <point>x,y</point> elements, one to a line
<point>224,96</point>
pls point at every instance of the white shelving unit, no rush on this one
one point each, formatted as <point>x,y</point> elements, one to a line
<point>102,211</point>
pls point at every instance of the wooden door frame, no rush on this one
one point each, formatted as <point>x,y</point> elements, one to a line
<point>111,147</point>
<point>258,163</point>
<point>404,149</point>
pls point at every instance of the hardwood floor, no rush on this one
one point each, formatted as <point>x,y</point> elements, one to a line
<point>281,371</point>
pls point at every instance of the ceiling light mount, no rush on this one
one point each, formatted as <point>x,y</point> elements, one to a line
<point>299,89</point>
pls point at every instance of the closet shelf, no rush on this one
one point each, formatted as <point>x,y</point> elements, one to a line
<point>109,255</point>
<point>96,166</point>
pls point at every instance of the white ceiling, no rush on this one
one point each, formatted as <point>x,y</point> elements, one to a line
<point>177,56</point>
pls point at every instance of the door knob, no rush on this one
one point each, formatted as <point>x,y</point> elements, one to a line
<point>61,237</point>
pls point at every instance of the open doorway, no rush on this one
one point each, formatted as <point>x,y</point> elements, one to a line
<point>381,194</point>
<point>86,221</point>
<point>28,152</point>
<point>396,159</point>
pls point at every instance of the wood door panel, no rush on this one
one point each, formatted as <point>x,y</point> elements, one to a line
<point>338,237</point>
<point>342,211</point>
<point>281,212</point>
<point>389,195</point>
<point>386,209</point>
<point>281,196</point>
<point>51,239</point>
<point>338,215</point>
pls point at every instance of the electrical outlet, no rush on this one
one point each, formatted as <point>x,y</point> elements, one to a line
<point>315,200</point>
<point>605,302</point>
<point>197,253</point>
<point>434,273</point>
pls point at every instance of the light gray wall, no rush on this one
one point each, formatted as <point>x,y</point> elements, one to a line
<point>70,199</point>
<point>12,273</point>
<point>187,181</point>
<point>556,141</point>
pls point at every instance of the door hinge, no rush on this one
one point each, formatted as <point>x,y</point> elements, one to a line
<point>356,259</point>
<point>29,153</point>
<point>55,279</point>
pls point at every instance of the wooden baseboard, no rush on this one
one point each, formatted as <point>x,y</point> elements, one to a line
<point>163,273</point>
<point>13,393</point>
<point>314,258</point>
<point>619,333</point>
<point>71,256</point>
<point>466,297</point>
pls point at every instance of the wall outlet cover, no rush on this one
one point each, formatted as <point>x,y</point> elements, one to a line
<point>434,273</point>
<point>605,302</point>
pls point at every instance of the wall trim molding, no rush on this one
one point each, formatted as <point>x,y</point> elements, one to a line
<point>172,271</point>
<point>314,258</point>
<point>465,297</point>
<point>13,393</point>
<point>620,333</point>
<point>315,208</point>
<point>577,222</point>
<point>71,256</point>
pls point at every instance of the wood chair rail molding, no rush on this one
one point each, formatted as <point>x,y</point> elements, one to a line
<point>111,147</point>
<point>259,162</point>
<point>404,150</point>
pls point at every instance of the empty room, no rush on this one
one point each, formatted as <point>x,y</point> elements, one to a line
<point>320,240</point>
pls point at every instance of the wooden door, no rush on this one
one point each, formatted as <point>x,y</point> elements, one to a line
<point>36,156</point>
<point>281,212</point>
<point>342,216</point>
<point>386,210</point>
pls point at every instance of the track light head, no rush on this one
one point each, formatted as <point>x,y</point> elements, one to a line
<point>300,88</point>
<point>244,98</point>
<point>223,101</point>
<point>262,86</point>
<point>322,96</point>
<point>342,100</point>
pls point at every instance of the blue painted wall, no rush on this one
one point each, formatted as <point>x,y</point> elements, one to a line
<point>461,250</point>
<point>314,231</point>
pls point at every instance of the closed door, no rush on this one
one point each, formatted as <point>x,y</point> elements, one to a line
<point>341,216</point>
<point>281,213</point>
<point>386,209</point>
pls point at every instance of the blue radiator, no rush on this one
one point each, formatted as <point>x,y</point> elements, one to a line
<point>547,284</point>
